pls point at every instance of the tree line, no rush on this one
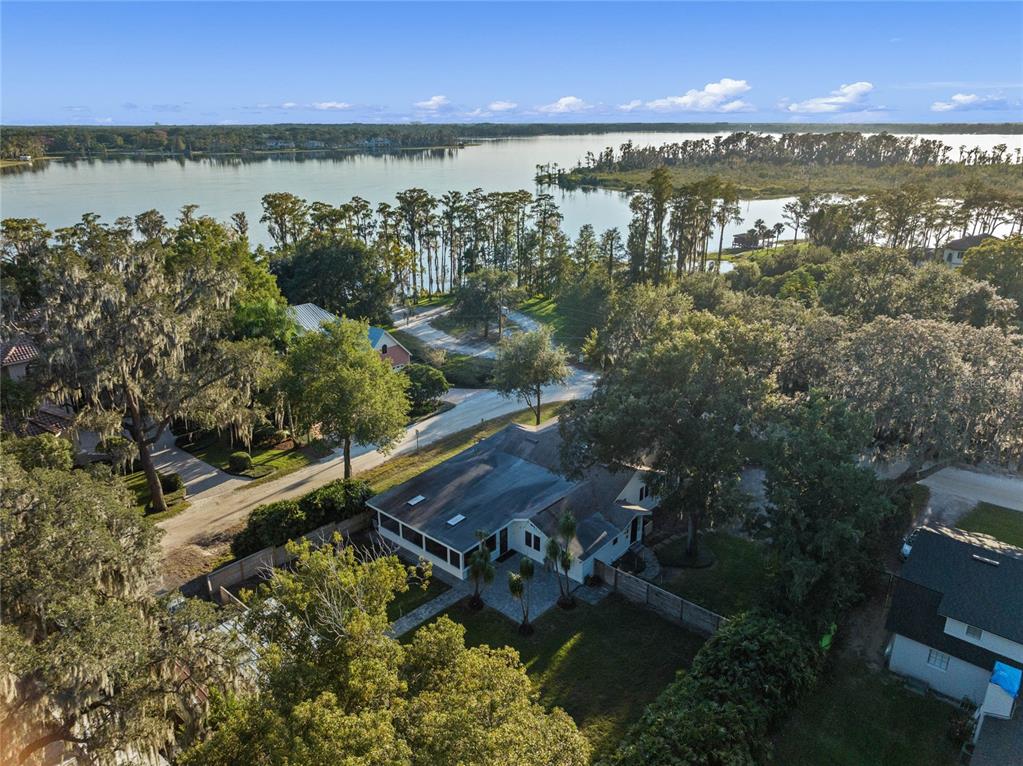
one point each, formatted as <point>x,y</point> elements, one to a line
<point>843,147</point>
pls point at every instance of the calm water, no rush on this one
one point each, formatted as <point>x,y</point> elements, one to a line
<point>61,192</point>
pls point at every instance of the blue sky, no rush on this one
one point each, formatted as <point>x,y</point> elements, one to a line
<point>237,62</point>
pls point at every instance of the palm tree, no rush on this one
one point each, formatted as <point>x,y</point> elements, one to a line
<point>518,585</point>
<point>559,555</point>
<point>481,569</point>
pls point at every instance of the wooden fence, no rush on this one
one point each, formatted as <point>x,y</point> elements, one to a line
<point>665,603</point>
<point>260,563</point>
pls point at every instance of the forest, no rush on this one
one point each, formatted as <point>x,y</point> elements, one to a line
<point>81,140</point>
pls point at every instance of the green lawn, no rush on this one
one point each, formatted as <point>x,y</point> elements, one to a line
<point>176,502</point>
<point>461,370</point>
<point>546,310</point>
<point>416,595</point>
<point>730,585</point>
<point>858,717</point>
<point>404,467</point>
<point>266,463</point>
<point>603,664</point>
<point>1003,524</point>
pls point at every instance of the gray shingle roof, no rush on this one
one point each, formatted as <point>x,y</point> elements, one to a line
<point>965,243</point>
<point>513,474</point>
<point>979,578</point>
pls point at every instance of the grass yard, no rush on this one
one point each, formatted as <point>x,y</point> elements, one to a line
<point>266,463</point>
<point>730,585</point>
<point>404,467</point>
<point>461,370</point>
<point>546,310</point>
<point>1003,524</point>
<point>176,502</point>
<point>858,717</point>
<point>415,596</point>
<point>603,664</point>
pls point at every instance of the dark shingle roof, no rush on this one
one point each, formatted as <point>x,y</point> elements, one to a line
<point>965,243</point>
<point>514,474</point>
<point>979,578</point>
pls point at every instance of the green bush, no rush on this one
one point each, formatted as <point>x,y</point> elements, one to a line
<point>742,681</point>
<point>270,525</point>
<point>239,461</point>
<point>277,523</point>
<point>43,451</point>
<point>171,482</point>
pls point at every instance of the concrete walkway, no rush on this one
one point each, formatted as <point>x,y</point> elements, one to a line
<point>202,480</point>
<point>422,328</point>
<point>425,612</point>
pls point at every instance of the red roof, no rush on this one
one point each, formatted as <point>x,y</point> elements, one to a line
<point>18,352</point>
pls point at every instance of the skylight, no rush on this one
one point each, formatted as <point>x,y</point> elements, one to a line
<point>455,520</point>
<point>416,500</point>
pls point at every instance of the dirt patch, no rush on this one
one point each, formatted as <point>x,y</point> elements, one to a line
<point>862,633</point>
<point>201,555</point>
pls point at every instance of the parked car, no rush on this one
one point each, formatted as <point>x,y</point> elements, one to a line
<point>907,544</point>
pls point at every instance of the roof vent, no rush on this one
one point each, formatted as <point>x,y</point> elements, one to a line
<point>983,560</point>
<point>455,520</point>
<point>416,500</point>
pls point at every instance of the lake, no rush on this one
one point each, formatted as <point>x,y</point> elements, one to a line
<point>60,192</point>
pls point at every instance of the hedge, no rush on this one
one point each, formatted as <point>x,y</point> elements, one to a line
<point>748,675</point>
<point>239,461</point>
<point>276,523</point>
<point>171,482</point>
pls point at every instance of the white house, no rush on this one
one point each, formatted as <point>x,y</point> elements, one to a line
<point>956,619</point>
<point>952,252</point>
<point>310,317</point>
<point>510,487</point>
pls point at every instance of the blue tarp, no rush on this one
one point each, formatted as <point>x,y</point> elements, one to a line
<point>1007,677</point>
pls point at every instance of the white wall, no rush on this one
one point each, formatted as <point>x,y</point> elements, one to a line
<point>961,679</point>
<point>630,494</point>
<point>989,641</point>
<point>402,542</point>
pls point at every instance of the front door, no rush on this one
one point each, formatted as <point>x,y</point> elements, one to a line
<point>634,530</point>
<point>502,547</point>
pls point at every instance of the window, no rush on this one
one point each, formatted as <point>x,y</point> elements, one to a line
<point>438,550</point>
<point>644,492</point>
<point>937,659</point>
<point>492,542</point>
<point>412,536</point>
<point>974,633</point>
<point>455,559</point>
<point>391,525</point>
<point>383,349</point>
<point>532,541</point>
<point>615,541</point>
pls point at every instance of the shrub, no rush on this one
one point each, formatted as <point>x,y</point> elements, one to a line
<point>270,525</point>
<point>280,435</point>
<point>239,461</point>
<point>171,482</point>
<point>426,386</point>
<point>742,680</point>
<point>276,523</point>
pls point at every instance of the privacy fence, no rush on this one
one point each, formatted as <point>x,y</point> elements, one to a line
<point>666,604</point>
<point>258,564</point>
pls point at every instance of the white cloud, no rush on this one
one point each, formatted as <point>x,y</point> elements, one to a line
<point>634,104</point>
<point>848,98</point>
<point>969,102</point>
<point>331,105</point>
<point>288,105</point>
<point>565,105</point>
<point>720,96</point>
<point>433,104</point>
<point>501,106</point>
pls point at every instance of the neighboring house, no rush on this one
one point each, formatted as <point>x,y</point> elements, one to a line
<point>15,356</point>
<point>311,317</point>
<point>957,618</point>
<point>510,487</point>
<point>952,252</point>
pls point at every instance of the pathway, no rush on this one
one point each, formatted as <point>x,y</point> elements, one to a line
<point>420,326</point>
<point>425,612</point>
<point>202,480</point>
